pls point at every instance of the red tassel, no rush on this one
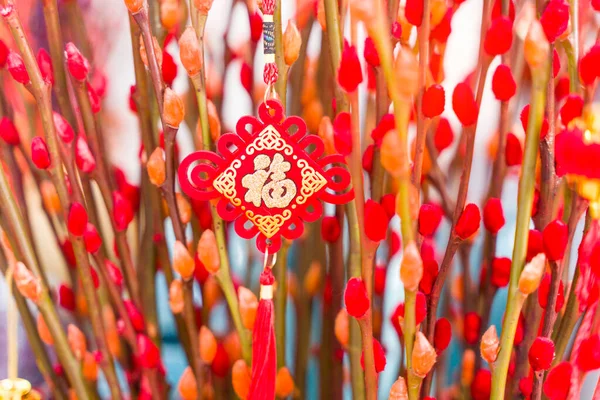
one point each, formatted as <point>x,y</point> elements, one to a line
<point>264,352</point>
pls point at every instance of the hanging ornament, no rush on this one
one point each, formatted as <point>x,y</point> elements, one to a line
<point>269,177</point>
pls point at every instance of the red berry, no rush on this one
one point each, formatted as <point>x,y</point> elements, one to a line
<point>534,244</point>
<point>16,67</point>
<point>122,212</point>
<point>379,274</point>
<point>45,63</point>
<point>330,229</point>
<point>503,83</point>
<point>169,68</point>
<point>78,65</point>
<point>379,354</point>
<point>95,102</point>
<point>91,238</point>
<point>342,133</point>
<point>370,53</point>
<point>356,299</point>
<point>444,136</point>
<point>39,153</point>
<point>562,88</point>
<point>571,109</point>
<point>367,158</point>
<point>442,335</point>
<point>430,216</point>
<point>433,101</point>
<point>83,156</point>
<point>256,25</point>
<point>558,381</point>
<point>481,387</point>
<point>114,273</point>
<point>148,353</point>
<point>472,326</point>
<point>555,237</point>
<point>500,271</point>
<point>498,38</point>
<point>541,353</point>
<point>513,154</point>
<point>497,10</point>
<point>376,228</point>
<point>66,298</point>
<point>77,219</point>
<point>588,356</point>
<point>136,317</point>
<point>413,12</point>
<point>350,72</point>
<point>589,65</point>
<point>468,222</point>
<point>220,365</point>
<point>388,202</point>
<point>9,132</point>
<point>430,273</point>
<point>526,386</point>
<point>493,216</point>
<point>63,128</point>
<point>555,19</point>
<point>464,105</point>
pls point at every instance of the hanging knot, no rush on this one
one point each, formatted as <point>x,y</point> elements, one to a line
<point>270,73</point>
<point>268,7</point>
<point>266,277</point>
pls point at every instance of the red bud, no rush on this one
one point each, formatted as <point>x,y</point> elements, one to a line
<point>513,154</point>
<point>77,219</point>
<point>45,63</point>
<point>386,124</point>
<point>92,239</point>
<point>468,222</point>
<point>433,101</point>
<point>525,122</point>
<point>555,63</point>
<point>555,19</point>
<point>95,278</point>
<point>472,327</point>
<point>330,229</point>
<point>376,227</point>
<point>503,83</point>
<point>413,12</point>
<point>440,34</point>
<point>558,381</point>
<point>83,156</point>
<point>379,275</point>
<point>3,54</point>
<point>148,353</point>
<point>356,299</point>
<point>114,273</point>
<point>493,216</point>
<point>481,387</point>
<point>342,134</point>
<point>367,159</point>
<point>246,77</point>
<point>95,103</point>
<point>420,308</point>
<point>370,53</point>
<point>498,38</point>
<point>541,353</point>
<point>562,88</point>
<point>544,292</point>
<point>464,105</point>
<point>256,25</point>
<point>16,67</point>
<point>588,356</point>
<point>122,212</point>
<point>430,273</point>
<point>379,355</point>
<point>78,65</point>
<point>500,271</point>
<point>573,108</point>
<point>430,216</point>
<point>534,244</point>
<point>442,335</point>
<point>9,132</point>
<point>555,237</point>
<point>588,65</point>
<point>349,72</point>
<point>63,128</point>
<point>66,298</point>
<point>136,317</point>
<point>396,30</point>
<point>497,10</point>
<point>220,364</point>
<point>443,135</point>
<point>39,153</point>
<point>169,68</point>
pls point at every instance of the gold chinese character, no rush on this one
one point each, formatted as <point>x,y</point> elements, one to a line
<point>279,192</point>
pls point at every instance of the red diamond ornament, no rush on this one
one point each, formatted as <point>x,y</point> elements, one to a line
<point>269,177</point>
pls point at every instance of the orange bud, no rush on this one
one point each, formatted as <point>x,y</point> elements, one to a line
<point>174,110</point>
<point>157,52</point>
<point>156,167</point>
<point>456,288</point>
<point>184,208</point>
<point>411,267</point>
<point>81,303</point>
<point>423,356</point>
<point>531,275</point>
<point>28,284</point>
<point>468,367</point>
<point>203,6</point>
<point>284,384</point>
<point>248,306</point>
<point>169,13</point>
<point>43,331</point>
<point>187,386</point>
<point>183,263</point>
<point>211,292</point>
<point>399,391</point>
<point>341,331</point>
<point>321,17</point>
<point>176,301</point>
<point>190,52</point>
<point>312,279</point>
<point>240,379</point>
<point>291,43</point>
<point>232,346</point>
<point>208,345</point>
<point>326,134</point>
<point>438,11</point>
<point>392,157</point>
<point>113,339</point>
<point>214,122</point>
<point>134,6</point>
<point>536,46</point>
<point>77,341</point>
<point>50,197</point>
<point>312,114</point>
<point>90,367</point>
<point>208,252</point>
<point>490,345</point>
<point>406,67</point>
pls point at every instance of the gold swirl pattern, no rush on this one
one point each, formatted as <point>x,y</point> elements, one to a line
<point>269,139</point>
<point>225,183</point>
<point>312,181</point>
<point>269,225</point>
